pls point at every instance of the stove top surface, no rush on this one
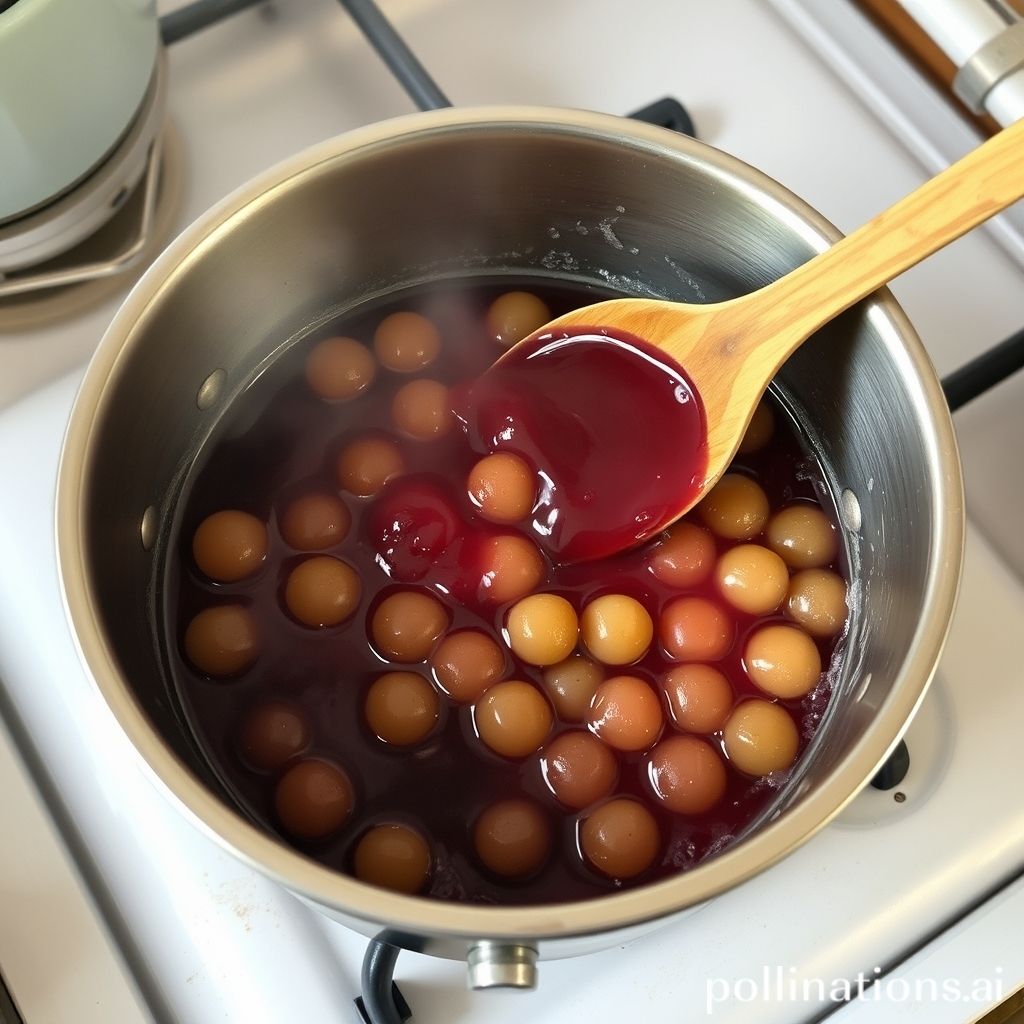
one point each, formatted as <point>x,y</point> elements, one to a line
<point>209,939</point>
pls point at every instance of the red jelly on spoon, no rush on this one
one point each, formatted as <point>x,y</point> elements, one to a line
<point>612,426</point>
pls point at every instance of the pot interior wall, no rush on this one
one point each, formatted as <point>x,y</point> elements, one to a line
<point>495,199</point>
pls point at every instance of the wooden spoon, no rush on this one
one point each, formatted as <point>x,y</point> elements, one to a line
<point>730,351</point>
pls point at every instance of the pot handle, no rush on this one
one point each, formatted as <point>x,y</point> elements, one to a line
<point>382,1001</point>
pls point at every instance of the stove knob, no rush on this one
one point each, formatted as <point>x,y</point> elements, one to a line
<point>502,965</point>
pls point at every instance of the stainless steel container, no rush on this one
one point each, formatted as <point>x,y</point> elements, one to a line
<point>572,194</point>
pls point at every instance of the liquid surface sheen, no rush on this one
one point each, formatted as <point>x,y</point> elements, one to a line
<point>387,669</point>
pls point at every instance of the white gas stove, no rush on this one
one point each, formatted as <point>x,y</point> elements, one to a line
<point>917,889</point>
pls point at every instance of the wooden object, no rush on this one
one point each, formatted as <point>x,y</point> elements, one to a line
<point>922,51</point>
<point>731,350</point>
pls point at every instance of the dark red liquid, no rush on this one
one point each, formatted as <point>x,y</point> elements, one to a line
<point>613,428</point>
<point>278,441</point>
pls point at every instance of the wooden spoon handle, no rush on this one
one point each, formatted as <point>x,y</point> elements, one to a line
<point>985,181</point>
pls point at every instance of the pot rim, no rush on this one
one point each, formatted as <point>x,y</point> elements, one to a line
<point>420,916</point>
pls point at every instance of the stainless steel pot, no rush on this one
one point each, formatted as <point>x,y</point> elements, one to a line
<point>496,191</point>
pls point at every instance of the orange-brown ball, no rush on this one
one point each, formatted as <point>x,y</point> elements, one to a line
<point>516,315</point>
<point>223,640</point>
<point>502,487</point>
<point>406,342</point>
<point>700,697</point>
<point>542,629</point>
<point>340,368</point>
<point>466,664</point>
<point>760,738</point>
<point>322,591</point>
<point>735,508</point>
<point>313,799</point>
<point>393,857</point>
<point>752,578</point>
<point>616,629</point>
<point>402,708</point>
<point>817,602</point>
<point>620,838</point>
<point>695,629</point>
<point>421,410</point>
<point>513,718</point>
<point>783,661</point>
<point>230,545</point>
<point>272,733</point>
<point>571,685</point>
<point>512,838</point>
<point>803,536</point>
<point>579,769</point>
<point>314,522</point>
<point>406,625</point>
<point>511,567</point>
<point>626,714</point>
<point>367,464</point>
<point>687,775</point>
<point>684,557</point>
